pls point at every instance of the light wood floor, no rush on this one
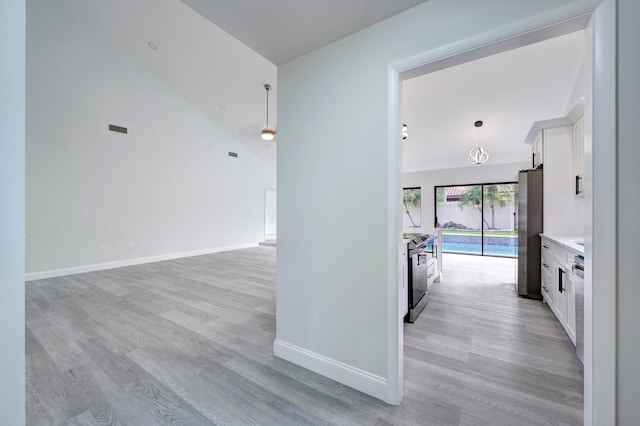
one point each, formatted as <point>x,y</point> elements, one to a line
<point>189,342</point>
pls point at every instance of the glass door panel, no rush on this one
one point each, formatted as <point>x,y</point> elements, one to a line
<point>459,214</point>
<point>499,236</point>
<point>478,219</point>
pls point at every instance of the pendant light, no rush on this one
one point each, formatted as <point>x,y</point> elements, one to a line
<point>478,155</point>
<point>268,133</point>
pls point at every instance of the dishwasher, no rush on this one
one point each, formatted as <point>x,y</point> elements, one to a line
<point>578,270</point>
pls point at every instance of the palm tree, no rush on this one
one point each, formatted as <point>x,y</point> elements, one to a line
<point>493,194</point>
<point>411,198</point>
<point>473,195</point>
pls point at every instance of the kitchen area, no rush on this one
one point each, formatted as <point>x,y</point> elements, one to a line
<point>551,221</point>
<point>506,304</point>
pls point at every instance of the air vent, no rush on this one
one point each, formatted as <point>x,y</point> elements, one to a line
<point>118,129</point>
<point>233,154</point>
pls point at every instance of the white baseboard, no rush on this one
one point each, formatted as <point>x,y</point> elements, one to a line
<point>31,276</point>
<point>353,377</point>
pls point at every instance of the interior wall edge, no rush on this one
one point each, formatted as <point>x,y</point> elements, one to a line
<point>12,209</point>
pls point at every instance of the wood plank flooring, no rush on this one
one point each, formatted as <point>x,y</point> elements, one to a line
<point>189,342</point>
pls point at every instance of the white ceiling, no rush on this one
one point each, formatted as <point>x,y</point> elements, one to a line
<point>216,73</point>
<point>508,91</point>
<point>283,30</point>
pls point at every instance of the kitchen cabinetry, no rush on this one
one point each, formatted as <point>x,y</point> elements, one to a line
<point>578,156</point>
<point>562,213</point>
<point>558,283</point>
<point>562,302</point>
<point>546,276</point>
<point>537,151</point>
<point>571,306</point>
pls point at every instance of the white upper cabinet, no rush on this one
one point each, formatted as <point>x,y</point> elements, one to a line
<point>559,209</point>
<point>537,149</point>
<point>558,146</point>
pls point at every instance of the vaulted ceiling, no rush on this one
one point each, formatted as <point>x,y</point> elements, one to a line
<point>216,73</point>
<point>283,30</point>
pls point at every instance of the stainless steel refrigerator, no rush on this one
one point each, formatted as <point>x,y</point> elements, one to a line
<point>529,228</point>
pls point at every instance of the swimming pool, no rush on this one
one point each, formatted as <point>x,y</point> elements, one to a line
<point>496,245</point>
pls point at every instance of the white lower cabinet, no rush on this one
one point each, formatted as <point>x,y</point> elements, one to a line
<point>561,293</point>
<point>571,306</point>
<point>547,281</point>
<point>558,284</point>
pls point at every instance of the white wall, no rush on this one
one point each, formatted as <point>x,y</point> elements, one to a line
<point>93,196</point>
<point>334,161</point>
<point>429,179</point>
<point>12,117</point>
<point>628,206</point>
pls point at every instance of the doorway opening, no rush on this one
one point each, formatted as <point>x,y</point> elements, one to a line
<point>444,59</point>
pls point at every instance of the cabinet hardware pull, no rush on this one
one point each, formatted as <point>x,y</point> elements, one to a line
<point>578,177</point>
<point>560,289</point>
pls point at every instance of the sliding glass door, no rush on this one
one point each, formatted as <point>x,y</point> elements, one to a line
<point>478,219</point>
<point>459,214</point>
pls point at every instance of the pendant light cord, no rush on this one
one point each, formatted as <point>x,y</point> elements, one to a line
<point>268,89</point>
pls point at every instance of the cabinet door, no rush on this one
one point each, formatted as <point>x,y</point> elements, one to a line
<point>537,150</point>
<point>561,293</point>
<point>571,306</point>
<point>546,276</point>
<point>578,156</point>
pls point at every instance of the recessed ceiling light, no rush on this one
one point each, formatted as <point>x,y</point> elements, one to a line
<point>222,106</point>
<point>152,45</point>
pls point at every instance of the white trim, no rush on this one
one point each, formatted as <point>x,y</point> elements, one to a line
<point>601,186</point>
<point>395,329</point>
<point>129,262</point>
<point>353,377</point>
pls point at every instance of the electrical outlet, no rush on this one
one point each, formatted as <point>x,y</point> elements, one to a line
<point>226,238</point>
<point>131,246</point>
<point>103,249</point>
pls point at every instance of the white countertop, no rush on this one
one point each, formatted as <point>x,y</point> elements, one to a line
<point>568,241</point>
